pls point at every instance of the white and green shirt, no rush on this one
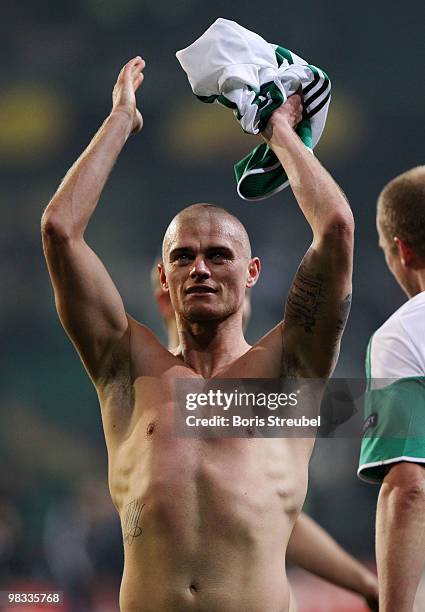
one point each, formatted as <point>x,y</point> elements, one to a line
<point>394,429</point>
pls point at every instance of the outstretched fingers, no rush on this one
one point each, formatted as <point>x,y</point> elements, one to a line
<point>129,80</point>
<point>132,68</point>
<point>136,67</point>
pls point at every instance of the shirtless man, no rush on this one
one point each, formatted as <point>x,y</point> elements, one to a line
<point>205,521</point>
<point>310,547</point>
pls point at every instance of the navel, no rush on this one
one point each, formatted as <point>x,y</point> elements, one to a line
<point>150,429</point>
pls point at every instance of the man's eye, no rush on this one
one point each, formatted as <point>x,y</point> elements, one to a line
<point>217,256</point>
<point>183,258</point>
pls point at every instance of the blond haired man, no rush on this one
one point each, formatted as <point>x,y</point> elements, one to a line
<point>393,448</point>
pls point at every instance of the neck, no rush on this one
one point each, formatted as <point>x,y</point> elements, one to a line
<point>416,284</point>
<point>421,281</point>
<point>209,346</point>
<point>172,334</point>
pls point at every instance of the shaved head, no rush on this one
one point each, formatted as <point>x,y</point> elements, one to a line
<point>207,264</point>
<point>213,218</point>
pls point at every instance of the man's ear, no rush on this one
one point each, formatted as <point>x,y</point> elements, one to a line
<point>254,268</point>
<point>405,252</point>
<point>164,304</point>
<point>162,277</point>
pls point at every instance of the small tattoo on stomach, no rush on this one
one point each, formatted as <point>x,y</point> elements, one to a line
<point>131,522</point>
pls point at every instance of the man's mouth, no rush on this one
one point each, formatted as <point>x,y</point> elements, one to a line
<point>200,289</point>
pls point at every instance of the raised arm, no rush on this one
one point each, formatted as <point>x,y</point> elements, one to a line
<point>88,303</point>
<point>319,300</point>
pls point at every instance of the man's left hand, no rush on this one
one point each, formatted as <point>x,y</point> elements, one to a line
<point>284,118</point>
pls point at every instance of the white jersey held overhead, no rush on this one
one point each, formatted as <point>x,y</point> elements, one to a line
<point>237,68</point>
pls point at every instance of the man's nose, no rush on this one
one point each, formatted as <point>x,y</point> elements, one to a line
<point>200,269</point>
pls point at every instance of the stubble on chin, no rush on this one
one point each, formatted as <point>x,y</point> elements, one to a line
<point>204,315</point>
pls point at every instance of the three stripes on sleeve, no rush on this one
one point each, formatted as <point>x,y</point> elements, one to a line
<point>237,68</point>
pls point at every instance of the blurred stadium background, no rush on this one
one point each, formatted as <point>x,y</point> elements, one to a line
<point>58,528</point>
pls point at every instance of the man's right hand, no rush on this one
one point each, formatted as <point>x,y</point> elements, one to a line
<point>88,303</point>
<point>123,96</point>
